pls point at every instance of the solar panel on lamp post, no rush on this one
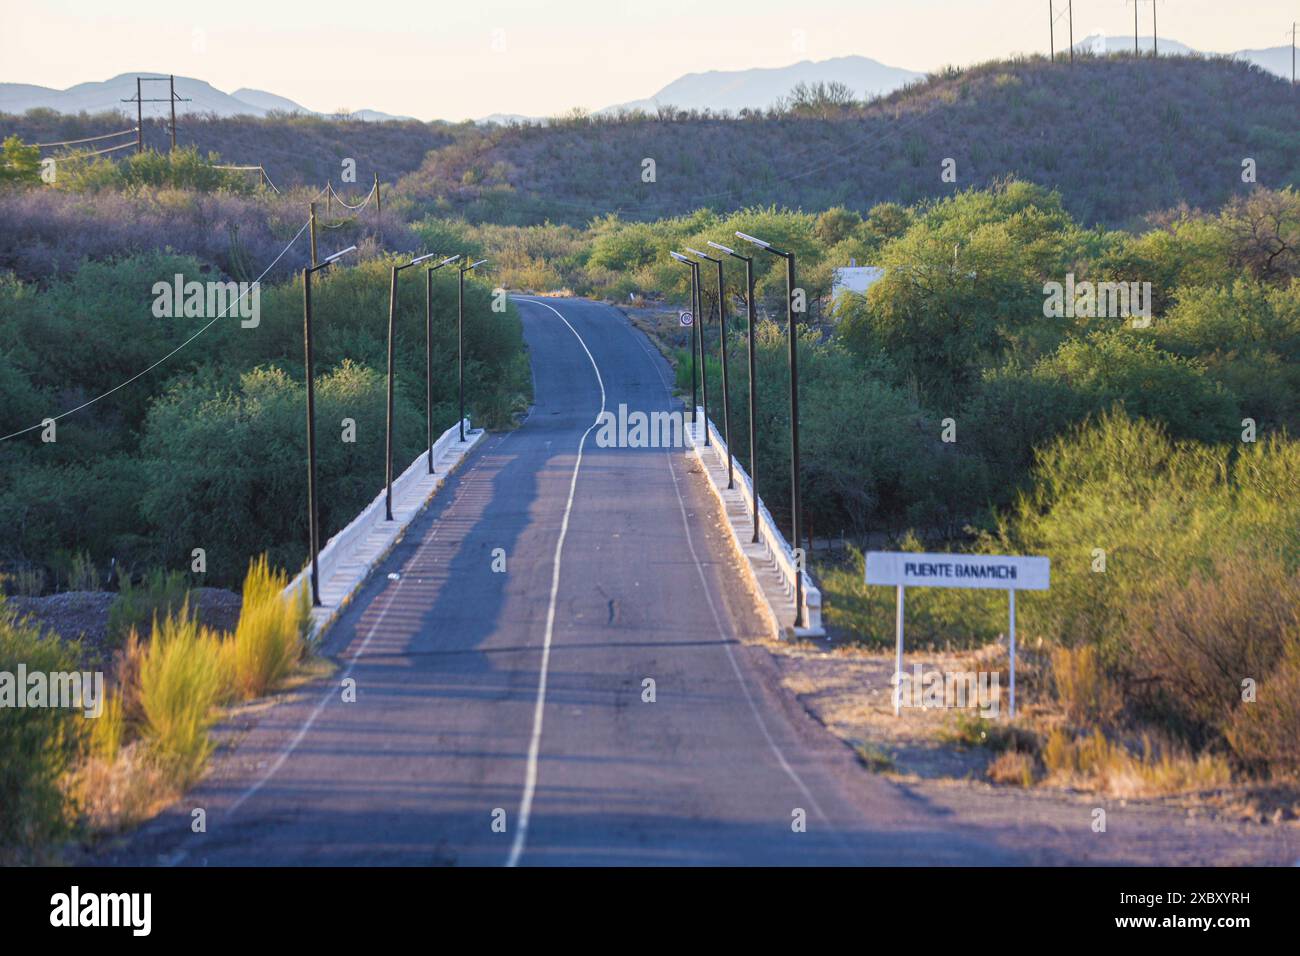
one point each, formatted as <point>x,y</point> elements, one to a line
<point>313,521</point>
<point>795,523</point>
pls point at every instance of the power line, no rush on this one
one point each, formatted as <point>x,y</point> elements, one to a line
<point>141,374</point>
<point>88,139</point>
<point>101,152</point>
<point>261,170</point>
<point>360,205</point>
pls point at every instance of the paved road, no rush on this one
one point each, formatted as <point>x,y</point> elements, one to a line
<point>517,696</point>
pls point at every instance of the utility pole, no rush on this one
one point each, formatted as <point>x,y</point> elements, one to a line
<point>1155,41</point>
<point>379,214</point>
<point>1051,29</point>
<point>1070,8</point>
<point>139,101</point>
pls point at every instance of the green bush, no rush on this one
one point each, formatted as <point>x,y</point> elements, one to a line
<point>37,745</point>
<point>19,163</point>
<point>160,594</point>
<point>1119,493</point>
<point>182,168</point>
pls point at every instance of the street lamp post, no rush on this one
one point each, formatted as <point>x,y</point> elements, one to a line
<point>388,422</point>
<point>695,318</point>
<point>313,522</point>
<point>726,381</point>
<point>460,341</point>
<point>753,391</point>
<point>704,366</point>
<point>795,523</point>
<point>428,353</point>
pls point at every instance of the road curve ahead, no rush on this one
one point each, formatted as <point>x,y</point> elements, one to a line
<point>500,715</point>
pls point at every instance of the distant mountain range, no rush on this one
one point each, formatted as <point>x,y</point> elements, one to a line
<point>731,90</point>
<point>1276,60</point>
<point>760,88</point>
<point>203,97</point>
<point>735,90</point>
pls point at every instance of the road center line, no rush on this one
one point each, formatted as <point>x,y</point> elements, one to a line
<point>534,745</point>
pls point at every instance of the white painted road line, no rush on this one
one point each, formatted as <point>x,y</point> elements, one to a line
<point>534,745</point>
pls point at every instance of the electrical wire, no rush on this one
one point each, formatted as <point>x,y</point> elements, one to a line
<point>88,139</point>
<point>141,374</point>
<point>361,205</point>
<point>101,152</point>
<point>260,169</point>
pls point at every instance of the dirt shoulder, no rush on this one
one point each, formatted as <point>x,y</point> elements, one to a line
<point>848,691</point>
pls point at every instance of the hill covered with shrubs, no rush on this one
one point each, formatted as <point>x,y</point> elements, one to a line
<point>1118,136</point>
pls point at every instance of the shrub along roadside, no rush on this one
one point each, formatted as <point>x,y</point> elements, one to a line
<point>161,593</point>
<point>269,640</point>
<point>62,776</point>
<point>184,674</point>
<point>37,747</point>
<point>1171,625</point>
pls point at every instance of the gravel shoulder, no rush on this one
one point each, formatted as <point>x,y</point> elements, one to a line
<point>848,692</point>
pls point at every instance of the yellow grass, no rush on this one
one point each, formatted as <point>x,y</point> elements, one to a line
<point>268,640</point>
<point>183,676</point>
<point>1109,767</point>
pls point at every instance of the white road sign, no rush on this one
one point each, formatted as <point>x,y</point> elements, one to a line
<point>685,318</point>
<point>1004,572</point>
<point>1010,573</point>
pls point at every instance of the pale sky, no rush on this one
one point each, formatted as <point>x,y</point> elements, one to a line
<point>542,57</point>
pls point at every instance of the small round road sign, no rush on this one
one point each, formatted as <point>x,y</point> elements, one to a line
<point>685,319</point>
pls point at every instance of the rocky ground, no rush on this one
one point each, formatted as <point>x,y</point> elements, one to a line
<point>83,615</point>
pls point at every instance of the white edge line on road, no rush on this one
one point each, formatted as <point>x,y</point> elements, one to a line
<point>717,620</point>
<point>731,656</point>
<point>288,750</point>
<point>534,745</point>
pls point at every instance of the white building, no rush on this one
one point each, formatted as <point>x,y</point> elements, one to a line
<point>853,279</point>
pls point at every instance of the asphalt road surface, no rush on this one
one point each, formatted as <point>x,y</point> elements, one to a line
<point>499,717</point>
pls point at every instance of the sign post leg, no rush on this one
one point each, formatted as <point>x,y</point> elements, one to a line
<point>1012,646</point>
<point>898,653</point>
